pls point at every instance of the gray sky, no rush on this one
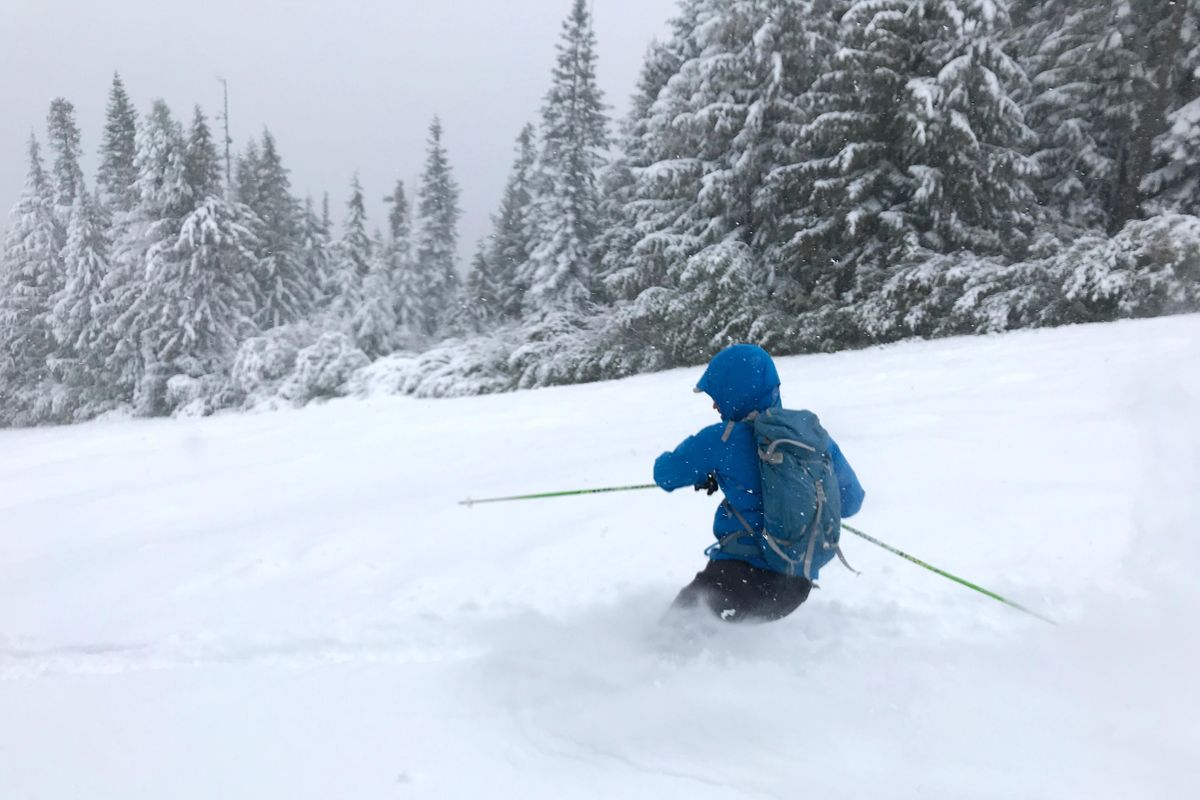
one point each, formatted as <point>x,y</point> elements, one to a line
<point>344,86</point>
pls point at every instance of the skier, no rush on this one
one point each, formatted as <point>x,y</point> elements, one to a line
<point>738,583</point>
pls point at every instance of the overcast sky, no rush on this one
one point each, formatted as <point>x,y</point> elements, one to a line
<point>344,85</point>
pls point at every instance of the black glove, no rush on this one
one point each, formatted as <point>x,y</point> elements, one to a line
<point>710,484</point>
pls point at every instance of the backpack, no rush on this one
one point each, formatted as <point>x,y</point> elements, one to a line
<point>801,499</point>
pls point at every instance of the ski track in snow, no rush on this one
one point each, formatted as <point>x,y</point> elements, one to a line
<point>293,604</point>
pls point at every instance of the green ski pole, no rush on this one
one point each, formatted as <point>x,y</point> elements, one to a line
<point>568,493</point>
<point>945,574</point>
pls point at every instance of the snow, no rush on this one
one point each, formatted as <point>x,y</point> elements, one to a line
<point>293,604</point>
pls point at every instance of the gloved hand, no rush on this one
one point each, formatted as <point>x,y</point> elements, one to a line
<point>710,484</point>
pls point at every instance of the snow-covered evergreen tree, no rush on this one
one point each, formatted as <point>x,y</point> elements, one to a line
<point>800,40</point>
<point>62,133</point>
<point>1175,184</point>
<point>78,308</point>
<point>633,207</point>
<point>374,323</point>
<point>1085,102</point>
<point>1108,78</point>
<point>286,289</point>
<point>968,133</point>
<point>351,257</point>
<point>916,141</point>
<point>246,175</point>
<point>853,218</point>
<point>30,276</point>
<point>118,173</point>
<point>201,291</point>
<point>198,298</point>
<point>483,289</point>
<point>696,163</point>
<point>399,223</point>
<point>1168,33</point>
<point>695,154</point>
<point>716,298</point>
<point>163,193</point>
<point>201,164</point>
<point>399,258</point>
<point>436,273</point>
<point>355,246</point>
<point>315,253</point>
<point>1173,161</point>
<point>143,238</point>
<point>512,228</point>
<point>574,138</point>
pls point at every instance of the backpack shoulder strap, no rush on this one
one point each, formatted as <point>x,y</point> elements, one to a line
<point>731,424</point>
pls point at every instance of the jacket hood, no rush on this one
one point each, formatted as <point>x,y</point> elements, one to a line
<point>741,379</point>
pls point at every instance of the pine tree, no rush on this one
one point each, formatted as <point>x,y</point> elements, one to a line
<point>163,193</point>
<point>201,164</point>
<point>799,41</point>
<point>399,222</point>
<point>574,140</point>
<point>355,246</point>
<point>693,155</point>
<point>969,134</point>
<point>1108,77</point>
<point>286,290</point>
<point>1084,104</point>
<point>483,289</point>
<point>374,323</point>
<point>715,299</point>
<point>853,218</point>
<point>63,136</point>
<point>143,239</point>
<point>510,245</point>
<point>436,274</point>
<point>314,255</point>
<point>30,275</point>
<point>633,207</point>
<point>1173,163</point>
<point>1174,186</point>
<point>399,259</point>
<point>201,291</point>
<point>198,298</point>
<point>246,176</point>
<point>352,257</point>
<point>916,141</point>
<point>78,307</point>
<point>118,173</point>
<point>1169,66</point>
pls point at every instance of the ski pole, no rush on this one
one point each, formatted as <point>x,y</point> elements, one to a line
<point>851,529</point>
<point>568,493</point>
<point>945,574</point>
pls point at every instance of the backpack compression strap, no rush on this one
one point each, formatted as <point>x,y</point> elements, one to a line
<point>771,457</point>
<point>774,545</point>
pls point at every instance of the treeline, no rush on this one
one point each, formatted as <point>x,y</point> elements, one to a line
<point>148,291</point>
<point>806,174</point>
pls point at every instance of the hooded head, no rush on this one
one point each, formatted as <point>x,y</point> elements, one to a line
<point>741,379</point>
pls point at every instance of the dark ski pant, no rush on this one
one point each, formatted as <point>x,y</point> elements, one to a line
<point>735,592</point>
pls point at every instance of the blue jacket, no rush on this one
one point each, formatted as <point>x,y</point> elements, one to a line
<point>740,379</point>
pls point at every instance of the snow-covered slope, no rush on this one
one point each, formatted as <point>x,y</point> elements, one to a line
<point>294,605</point>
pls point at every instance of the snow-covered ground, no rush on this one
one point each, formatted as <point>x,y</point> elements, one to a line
<point>293,604</point>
